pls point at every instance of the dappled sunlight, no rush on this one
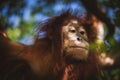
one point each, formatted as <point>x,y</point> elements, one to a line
<point>100,29</point>
<point>100,32</point>
<point>106,60</point>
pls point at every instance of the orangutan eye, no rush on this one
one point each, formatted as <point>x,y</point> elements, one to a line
<point>82,32</point>
<point>73,31</point>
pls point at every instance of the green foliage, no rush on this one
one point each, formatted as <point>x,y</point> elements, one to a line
<point>22,31</point>
<point>110,74</point>
<point>117,19</point>
<point>14,34</point>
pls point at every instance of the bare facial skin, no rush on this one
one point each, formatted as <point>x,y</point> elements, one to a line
<point>75,41</point>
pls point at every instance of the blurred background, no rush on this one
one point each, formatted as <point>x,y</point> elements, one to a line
<point>20,18</point>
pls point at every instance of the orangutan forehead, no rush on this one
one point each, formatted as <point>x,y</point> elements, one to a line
<point>73,25</point>
<point>74,21</point>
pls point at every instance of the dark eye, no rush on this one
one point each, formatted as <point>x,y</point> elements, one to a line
<point>73,31</point>
<point>82,32</point>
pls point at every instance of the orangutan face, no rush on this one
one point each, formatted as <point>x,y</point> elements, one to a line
<point>75,41</point>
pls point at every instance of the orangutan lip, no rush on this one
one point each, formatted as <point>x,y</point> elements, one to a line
<point>78,47</point>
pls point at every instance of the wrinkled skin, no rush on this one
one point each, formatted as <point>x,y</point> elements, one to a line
<point>75,41</point>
